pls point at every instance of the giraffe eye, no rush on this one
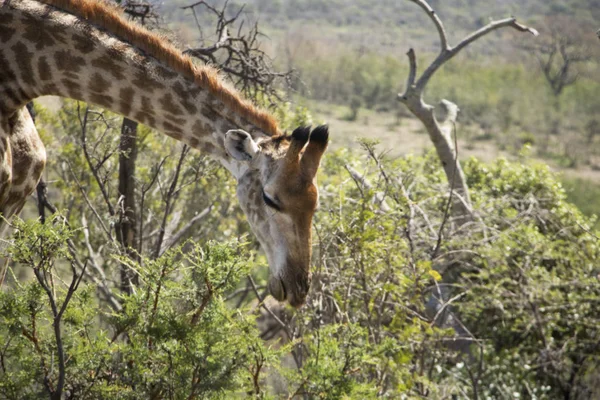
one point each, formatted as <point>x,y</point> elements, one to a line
<point>269,202</point>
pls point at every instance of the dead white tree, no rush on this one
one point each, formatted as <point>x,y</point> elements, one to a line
<point>440,132</point>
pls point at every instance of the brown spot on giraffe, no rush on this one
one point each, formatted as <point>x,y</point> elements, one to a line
<point>22,195</point>
<point>210,113</point>
<point>208,148</point>
<point>70,75</point>
<point>108,64</point>
<point>43,35</point>
<point>144,118</point>
<point>6,32</point>
<point>185,97</point>
<point>169,106</point>
<point>194,142</point>
<point>220,142</point>
<point>98,84</point>
<point>49,88</point>
<point>73,88</point>
<point>25,58</point>
<point>19,174</point>
<point>65,61</point>
<point>26,93</point>
<point>189,107</point>
<point>6,72</point>
<point>126,99</point>
<point>175,120</point>
<point>147,105</point>
<point>170,127</point>
<point>146,83</point>
<point>44,71</point>
<point>12,199</point>
<point>21,151</point>
<point>200,127</point>
<point>146,114</point>
<point>12,95</point>
<point>101,100</point>
<point>38,169</point>
<point>83,43</point>
<point>175,135</point>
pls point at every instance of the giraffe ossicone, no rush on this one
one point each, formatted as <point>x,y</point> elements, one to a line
<point>85,50</point>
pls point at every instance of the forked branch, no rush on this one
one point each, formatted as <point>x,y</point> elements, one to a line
<point>448,52</point>
<point>413,99</point>
<point>412,73</point>
<point>436,21</point>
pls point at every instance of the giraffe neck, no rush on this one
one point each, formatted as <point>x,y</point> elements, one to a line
<point>46,51</point>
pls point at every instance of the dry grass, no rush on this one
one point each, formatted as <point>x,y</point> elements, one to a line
<point>407,136</point>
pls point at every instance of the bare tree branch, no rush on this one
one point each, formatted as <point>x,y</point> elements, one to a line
<point>413,99</point>
<point>169,198</point>
<point>412,62</point>
<point>449,52</point>
<point>238,55</point>
<point>436,20</point>
<point>41,270</point>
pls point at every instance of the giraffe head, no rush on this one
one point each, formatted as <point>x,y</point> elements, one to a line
<point>278,193</point>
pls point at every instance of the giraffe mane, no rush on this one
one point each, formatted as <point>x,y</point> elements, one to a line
<point>110,18</point>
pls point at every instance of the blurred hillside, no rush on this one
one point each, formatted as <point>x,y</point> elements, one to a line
<point>383,24</point>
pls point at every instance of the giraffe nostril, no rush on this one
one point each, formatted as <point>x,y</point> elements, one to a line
<point>283,288</point>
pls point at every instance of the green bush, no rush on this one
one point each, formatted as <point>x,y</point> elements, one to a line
<point>522,278</point>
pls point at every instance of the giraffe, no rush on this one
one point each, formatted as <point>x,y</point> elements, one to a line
<point>85,50</point>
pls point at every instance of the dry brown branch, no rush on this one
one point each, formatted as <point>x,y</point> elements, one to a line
<point>41,272</point>
<point>169,198</point>
<point>238,54</point>
<point>413,99</point>
<point>140,11</point>
<point>436,21</point>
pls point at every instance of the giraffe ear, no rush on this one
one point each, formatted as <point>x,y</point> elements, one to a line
<point>240,145</point>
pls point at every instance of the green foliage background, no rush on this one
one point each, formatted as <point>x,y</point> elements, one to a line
<point>523,279</point>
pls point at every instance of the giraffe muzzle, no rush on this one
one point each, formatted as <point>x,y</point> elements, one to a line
<point>294,292</point>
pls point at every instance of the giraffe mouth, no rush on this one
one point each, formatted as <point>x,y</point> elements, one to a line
<point>277,288</point>
<point>286,292</point>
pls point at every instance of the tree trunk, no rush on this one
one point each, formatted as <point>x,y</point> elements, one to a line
<point>126,227</point>
<point>440,134</point>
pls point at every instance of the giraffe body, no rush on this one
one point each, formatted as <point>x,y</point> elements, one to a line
<point>84,50</point>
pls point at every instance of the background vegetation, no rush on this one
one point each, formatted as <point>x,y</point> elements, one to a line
<point>349,58</point>
<point>406,302</point>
